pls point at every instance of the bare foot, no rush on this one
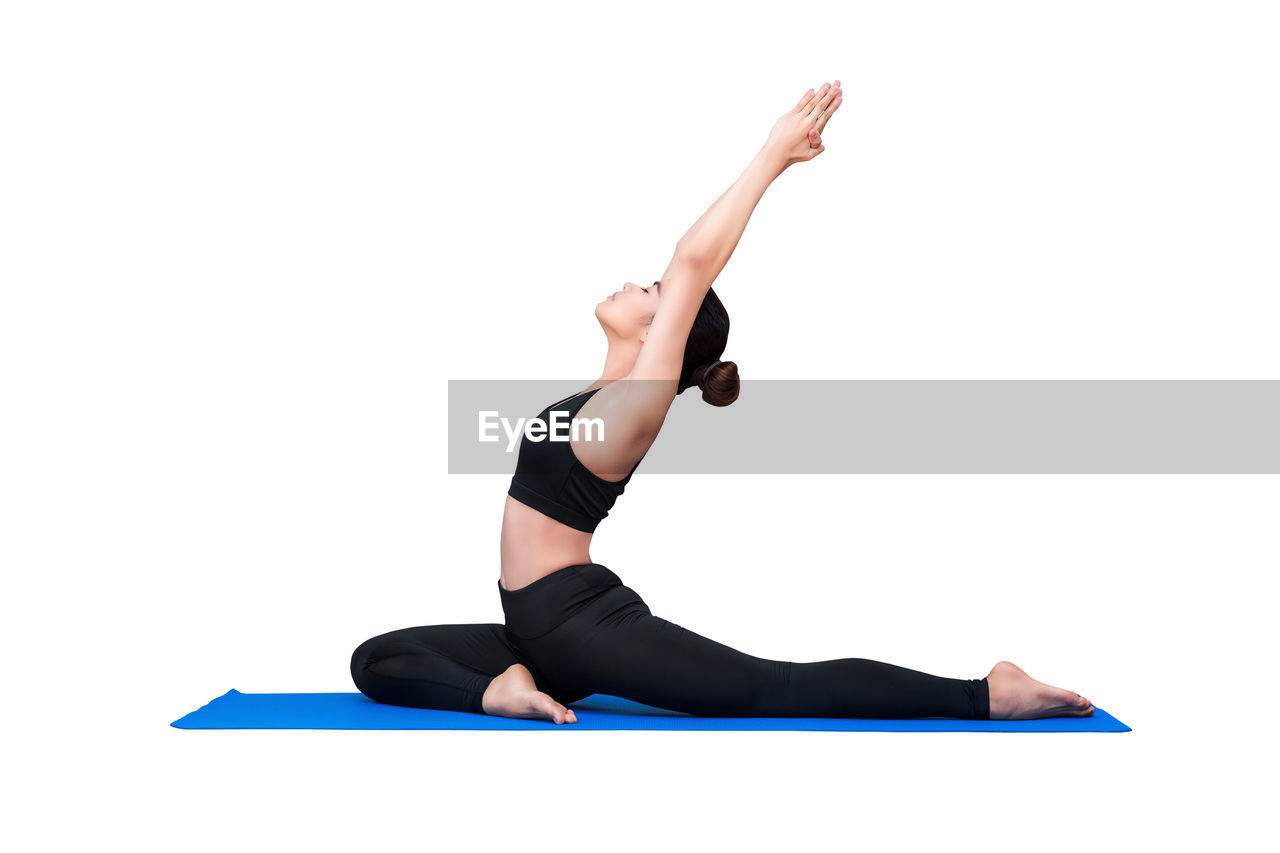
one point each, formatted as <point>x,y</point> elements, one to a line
<point>514,694</point>
<point>1017,696</point>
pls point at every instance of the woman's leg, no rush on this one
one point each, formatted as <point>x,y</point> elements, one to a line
<point>444,667</point>
<point>590,634</point>
<point>648,659</point>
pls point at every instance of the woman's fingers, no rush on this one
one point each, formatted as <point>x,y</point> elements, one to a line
<point>830,110</point>
<point>823,102</point>
<point>811,99</point>
<point>814,100</point>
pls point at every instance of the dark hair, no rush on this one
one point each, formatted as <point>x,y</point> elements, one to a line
<point>707,340</point>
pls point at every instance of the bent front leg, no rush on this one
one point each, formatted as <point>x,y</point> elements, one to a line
<point>441,667</point>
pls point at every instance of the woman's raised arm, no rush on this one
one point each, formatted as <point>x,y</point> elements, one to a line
<point>795,138</point>
<point>703,252</point>
<point>638,409</point>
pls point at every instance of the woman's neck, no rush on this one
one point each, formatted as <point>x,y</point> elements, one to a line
<point>619,360</point>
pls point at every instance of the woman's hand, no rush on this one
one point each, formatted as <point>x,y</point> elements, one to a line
<point>797,136</point>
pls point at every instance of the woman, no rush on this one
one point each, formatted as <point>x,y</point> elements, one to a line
<point>572,627</point>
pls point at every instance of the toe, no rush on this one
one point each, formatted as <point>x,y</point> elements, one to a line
<point>549,708</point>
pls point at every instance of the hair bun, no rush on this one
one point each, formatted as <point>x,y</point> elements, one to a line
<point>719,383</point>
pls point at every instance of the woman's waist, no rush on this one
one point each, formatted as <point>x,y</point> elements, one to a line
<point>522,570</point>
<point>534,545</point>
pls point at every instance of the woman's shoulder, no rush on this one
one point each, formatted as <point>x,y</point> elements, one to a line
<point>619,424</point>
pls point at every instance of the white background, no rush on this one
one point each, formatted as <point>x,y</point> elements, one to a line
<point>245,245</point>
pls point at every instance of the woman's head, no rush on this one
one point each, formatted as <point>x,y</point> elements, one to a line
<point>702,365</point>
<point>627,314</point>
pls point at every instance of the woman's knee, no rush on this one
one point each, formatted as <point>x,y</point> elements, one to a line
<point>368,655</point>
<point>361,658</point>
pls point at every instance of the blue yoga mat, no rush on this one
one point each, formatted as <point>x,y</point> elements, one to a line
<point>600,712</point>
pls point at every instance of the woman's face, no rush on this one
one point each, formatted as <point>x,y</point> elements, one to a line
<point>627,313</point>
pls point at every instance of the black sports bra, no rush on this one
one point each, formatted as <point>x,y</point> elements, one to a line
<point>550,479</point>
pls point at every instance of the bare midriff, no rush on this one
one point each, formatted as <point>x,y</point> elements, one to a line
<point>535,545</point>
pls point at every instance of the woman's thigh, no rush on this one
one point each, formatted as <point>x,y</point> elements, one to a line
<point>617,646</point>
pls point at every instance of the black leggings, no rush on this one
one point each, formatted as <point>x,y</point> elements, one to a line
<point>580,631</point>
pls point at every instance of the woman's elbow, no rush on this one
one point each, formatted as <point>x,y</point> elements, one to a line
<point>691,255</point>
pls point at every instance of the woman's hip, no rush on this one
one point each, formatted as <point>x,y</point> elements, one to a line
<point>583,595</point>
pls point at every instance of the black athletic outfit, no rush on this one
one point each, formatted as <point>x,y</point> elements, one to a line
<point>580,631</point>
